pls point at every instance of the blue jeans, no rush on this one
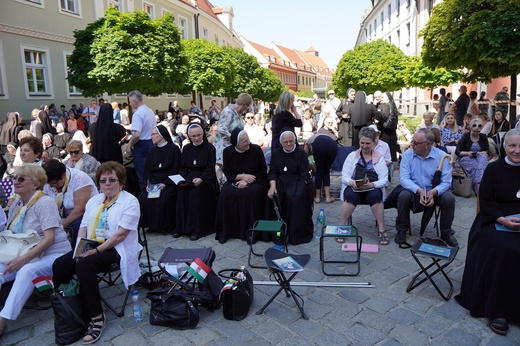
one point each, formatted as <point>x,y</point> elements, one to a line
<point>139,152</point>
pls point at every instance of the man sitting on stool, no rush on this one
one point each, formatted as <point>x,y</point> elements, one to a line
<point>416,173</point>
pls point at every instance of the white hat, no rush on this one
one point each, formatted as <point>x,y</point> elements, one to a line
<point>331,91</point>
<point>374,127</point>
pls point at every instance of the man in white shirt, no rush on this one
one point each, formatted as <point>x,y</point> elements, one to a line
<point>143,121</point>
<point>90,113</point>
<point>330,108</point>
<point>254,132</point>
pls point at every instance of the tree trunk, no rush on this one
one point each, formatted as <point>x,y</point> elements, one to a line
<point>512,108</point>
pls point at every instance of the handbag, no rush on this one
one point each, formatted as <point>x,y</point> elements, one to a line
<point>13,245</point>
<point>237,294</point>
<point>70,318</point>
<point>174,310</point>
<point>363,172</point>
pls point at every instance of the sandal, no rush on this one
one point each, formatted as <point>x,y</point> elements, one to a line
<point>94,330</point>
<point>383,238</point>
<point>317,200</point>
<point>499,326</point>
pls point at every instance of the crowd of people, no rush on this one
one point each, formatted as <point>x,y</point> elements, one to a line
<point>196,173</point>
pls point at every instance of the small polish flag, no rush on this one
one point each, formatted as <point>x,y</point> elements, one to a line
<point>199,270</point>
<point>43,283</point>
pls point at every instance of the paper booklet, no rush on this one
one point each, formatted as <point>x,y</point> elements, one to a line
<point>503,228</point>
<point>435,250</point>
<point>338,230</point>
<point>154,191</point>
<point>83,245</point>
<point>288,264</point>
<point>179,180</point>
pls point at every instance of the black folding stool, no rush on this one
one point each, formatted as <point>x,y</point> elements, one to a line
<point>284,282</point>
<point>436,263</point>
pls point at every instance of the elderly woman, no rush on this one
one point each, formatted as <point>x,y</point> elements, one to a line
<point>285,117</point>
<point>364,178</point>
<point>242,199</point>
<point>61,140</point>
<point>31,210</point>
<point>197,200</point>
<point>112,219</point>
<point>473,150</point>
<point>163,160</point>
<point>328,129</point>
<point>31,149</point>
<point>80,160</point>
<point>230,119</point>
<point>71,189</point>
<point>289,179</point>
<point>428,121</point>
<point>491,281</point>
<point>48,145</point>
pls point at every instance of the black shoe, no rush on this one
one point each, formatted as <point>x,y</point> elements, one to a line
<point>194,237</point>
<point>400,237</point>
<point>176,235</point>
<point>222,240</point>
<point>449,240</point>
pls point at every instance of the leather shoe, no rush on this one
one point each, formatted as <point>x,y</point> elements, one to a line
<point>194,237</point>
<point>400,237</point>
<point>176,235</point>
<point>449,239</point>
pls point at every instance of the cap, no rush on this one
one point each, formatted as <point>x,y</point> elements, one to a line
<point>374,127</point>
<point>331,92</point>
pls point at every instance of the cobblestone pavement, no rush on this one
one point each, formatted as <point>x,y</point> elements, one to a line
<point>383,315</point>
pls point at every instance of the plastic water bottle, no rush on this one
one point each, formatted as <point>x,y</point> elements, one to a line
<point>138,310</point>
<point>320,222</point>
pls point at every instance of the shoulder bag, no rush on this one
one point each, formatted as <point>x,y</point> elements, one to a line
<point>13,245</point>
<point>237,294</point>
<point>363,172</point>
<point>70,318</point>
<point>174,310</point>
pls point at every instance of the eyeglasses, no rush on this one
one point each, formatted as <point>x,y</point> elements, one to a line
<point>19,179</point>
<point>418,143</point>
<point>250,117</point>
<point>109,180</point>
<point>74,152</point>
<point>477,125</point>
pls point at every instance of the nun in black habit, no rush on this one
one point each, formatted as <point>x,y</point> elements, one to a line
<point>163,160</point>
<point>289,178</point>
<point>197,199</point>
<point>105,136</point>
<point>361,115</point>
<point>242,199</point>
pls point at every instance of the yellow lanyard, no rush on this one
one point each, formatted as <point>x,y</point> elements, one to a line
<point>35,197</point>
<point>61,195</point>
<point>98,215</point>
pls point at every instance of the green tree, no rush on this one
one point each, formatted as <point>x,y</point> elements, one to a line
<point>480,37</point>
<point>125,51</point>
<point>211,68</point>
<point>305,93</point>
<point>270,87</point>
<point>369,67</point>
<point>421,76</point>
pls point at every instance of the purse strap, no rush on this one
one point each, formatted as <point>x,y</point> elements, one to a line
<point>234,273</point>
<point>69,311</point>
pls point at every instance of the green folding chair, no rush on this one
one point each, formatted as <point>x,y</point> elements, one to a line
<point>274,226</point>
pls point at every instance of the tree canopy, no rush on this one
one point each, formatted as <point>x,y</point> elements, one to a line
<point>480,36</point>
<point>211,68</point>
<point>125,51</point>
<point>377,65</point>
<point>419,75</point>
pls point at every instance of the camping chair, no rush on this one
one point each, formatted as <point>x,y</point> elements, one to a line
<point>111,277</point>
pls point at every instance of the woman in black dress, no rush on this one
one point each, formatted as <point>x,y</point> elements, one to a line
<point>242,199</point>
<point>289,178</point>
<point>491,279</point>
<point>163,160</point>
<point>197,200</point>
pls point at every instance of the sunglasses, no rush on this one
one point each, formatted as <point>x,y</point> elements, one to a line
<point>477,125</point>
<point>109,180</point>
<point>19,179</point>
<point>74,152</point>
<point>250,117</point>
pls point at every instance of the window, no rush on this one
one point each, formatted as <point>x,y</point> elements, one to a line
<point>183,25</point>
<point>216,39</point>
<point>398,7</point>
<point>223,42</point>
<point>36,72</point>
<point>382,20</point>
<point>408,30</point>
<point>370,30</point>
<point>171,95</point>
<point>3,81</point>
<point>148,8</point>
<point>116,4</point>
<point>375,27</point>
<point>33,2</point>
<point>398,33</point>
<point>299,80</point>
<point>69,6</point>
<point>430,7</point>
<point>389,12</point>
<point>205,33</point>
<point>72,90</point>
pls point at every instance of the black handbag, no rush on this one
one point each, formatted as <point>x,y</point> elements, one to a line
<point>237,294</point>
<point>174,310</point>
<point>70,318</point>
<point>363,172</point>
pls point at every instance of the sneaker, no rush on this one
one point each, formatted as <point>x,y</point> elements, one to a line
<point>400,237</point>
<point>449,239</point>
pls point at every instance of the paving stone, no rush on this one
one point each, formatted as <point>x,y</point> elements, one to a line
<point>379,304</point>
<point>403,315</point>
<point>457,336</point>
